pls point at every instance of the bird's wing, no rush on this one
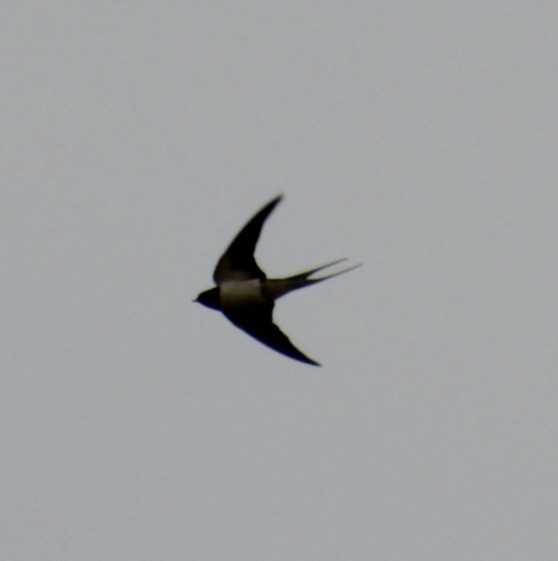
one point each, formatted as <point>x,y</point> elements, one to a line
<point>258,322</point>
<point>238,263</point>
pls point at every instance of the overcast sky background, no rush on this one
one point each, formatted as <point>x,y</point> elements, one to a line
<point>418,138</point>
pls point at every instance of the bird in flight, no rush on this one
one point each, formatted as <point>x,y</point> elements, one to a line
<point>246,296</point>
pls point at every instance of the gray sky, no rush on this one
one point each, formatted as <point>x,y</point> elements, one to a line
<point>418,138</point>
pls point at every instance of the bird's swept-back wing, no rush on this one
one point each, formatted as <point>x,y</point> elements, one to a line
<point>238,262</point>
<point>259,324</point>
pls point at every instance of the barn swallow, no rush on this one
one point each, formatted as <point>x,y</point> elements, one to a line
<point>246,296</point>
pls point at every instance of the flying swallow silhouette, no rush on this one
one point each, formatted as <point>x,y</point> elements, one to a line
<point>246,296</point>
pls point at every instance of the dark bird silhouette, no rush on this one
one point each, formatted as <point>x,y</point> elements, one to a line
<point>246,296</point>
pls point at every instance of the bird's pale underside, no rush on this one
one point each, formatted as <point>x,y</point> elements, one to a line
<point>246,296</point>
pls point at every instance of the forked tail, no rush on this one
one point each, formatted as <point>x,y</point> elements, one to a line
<point>279,287</point>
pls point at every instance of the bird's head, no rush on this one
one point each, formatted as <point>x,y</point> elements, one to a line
<point>209,298</point>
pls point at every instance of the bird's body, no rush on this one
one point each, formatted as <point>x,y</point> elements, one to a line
<point>246,296</point>
<point>242,294</point>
